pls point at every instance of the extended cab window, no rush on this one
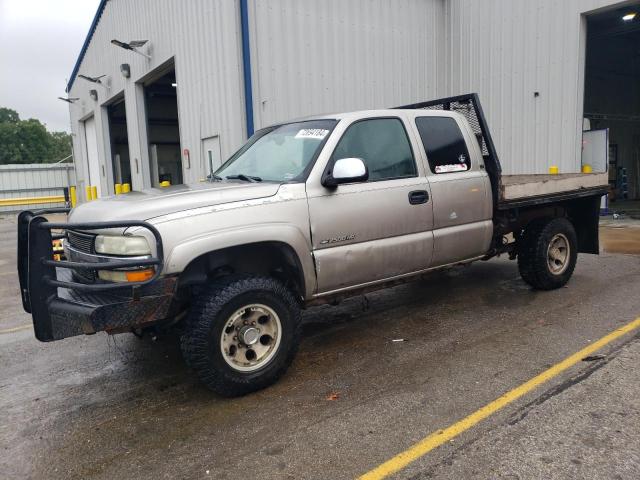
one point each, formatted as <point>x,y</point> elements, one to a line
<point>445,146</point>
<point>382,144</point>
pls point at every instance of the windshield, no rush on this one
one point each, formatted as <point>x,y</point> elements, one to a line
<point>280,155</point>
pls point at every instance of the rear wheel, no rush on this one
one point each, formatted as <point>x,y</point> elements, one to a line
<point>547,253</point>
<point>241,334</point>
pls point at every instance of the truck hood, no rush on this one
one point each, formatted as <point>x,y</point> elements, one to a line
<point>154,202</point>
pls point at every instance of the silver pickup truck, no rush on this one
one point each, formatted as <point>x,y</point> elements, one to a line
<point>306,212</point>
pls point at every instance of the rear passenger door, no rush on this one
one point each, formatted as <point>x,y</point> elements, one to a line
<point>460,188</point>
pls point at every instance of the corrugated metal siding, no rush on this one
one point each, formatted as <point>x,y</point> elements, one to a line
<point>34,180</point>
<point>316,57</point>
<point>508,49</point>
<point>203,37</point>
<point>313,57</point>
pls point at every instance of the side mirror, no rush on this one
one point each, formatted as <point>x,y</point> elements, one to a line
<point>345,170</point>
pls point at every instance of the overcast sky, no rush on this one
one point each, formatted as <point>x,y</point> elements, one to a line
<point>39,43</point>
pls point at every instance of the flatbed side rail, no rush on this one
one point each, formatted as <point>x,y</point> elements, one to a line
<point>549,198</point>
<point>37,270</point>
<point>469,106</point>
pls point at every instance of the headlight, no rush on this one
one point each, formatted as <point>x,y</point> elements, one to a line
<point>122,245</point>
<point>126,276</point>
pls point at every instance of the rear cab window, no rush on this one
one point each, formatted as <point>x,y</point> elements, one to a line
<point>444,144</point>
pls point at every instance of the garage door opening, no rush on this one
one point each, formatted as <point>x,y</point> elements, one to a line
<point>163,130</point>
<point>119,142</point>
<point>612,97</point>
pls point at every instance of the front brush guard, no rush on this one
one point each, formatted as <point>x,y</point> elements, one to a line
<point>61,307</point>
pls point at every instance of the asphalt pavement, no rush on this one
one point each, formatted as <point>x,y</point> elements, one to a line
<point>373,376</point>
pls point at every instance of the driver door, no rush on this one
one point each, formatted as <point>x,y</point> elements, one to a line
<point>378,229</point>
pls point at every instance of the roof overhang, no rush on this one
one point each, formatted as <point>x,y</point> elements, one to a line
<point>87,41</point>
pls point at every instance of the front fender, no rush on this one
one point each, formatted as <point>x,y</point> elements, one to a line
<point>182,254</point>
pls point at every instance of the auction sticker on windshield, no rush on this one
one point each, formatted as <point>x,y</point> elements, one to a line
<point>315,133</point>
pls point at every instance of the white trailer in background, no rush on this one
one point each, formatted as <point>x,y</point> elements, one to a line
<point>595,155</point>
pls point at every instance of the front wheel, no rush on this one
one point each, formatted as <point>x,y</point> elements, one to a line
<point>547,253</point>
<point>241,334</point>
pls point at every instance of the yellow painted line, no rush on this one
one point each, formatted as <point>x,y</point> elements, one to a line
<point>11,202</point>
<point>16,329</point>
<point>439,437</point>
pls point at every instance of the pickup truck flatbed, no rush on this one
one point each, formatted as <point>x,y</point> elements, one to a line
<point>308,211</point>
<point>519,188</point>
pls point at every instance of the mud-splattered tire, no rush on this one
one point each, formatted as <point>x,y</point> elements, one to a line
<point>241,334</point>
<point>547,253</point>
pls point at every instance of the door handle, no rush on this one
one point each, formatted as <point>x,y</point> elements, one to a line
<point>418,196</point>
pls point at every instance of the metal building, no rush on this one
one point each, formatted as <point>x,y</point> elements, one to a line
<point>213,71</point>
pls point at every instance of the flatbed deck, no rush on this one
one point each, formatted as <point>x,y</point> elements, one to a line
<point>516,189</point>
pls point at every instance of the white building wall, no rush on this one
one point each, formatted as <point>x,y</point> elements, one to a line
<point>203,38</point>
<point>506,50</point>
<point>310,57</point>
<point>313,57</point>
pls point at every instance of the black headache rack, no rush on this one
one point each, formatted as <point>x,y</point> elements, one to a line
<point>469,106</point>
<point>62,307</point>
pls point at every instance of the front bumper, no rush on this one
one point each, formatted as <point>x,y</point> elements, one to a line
<point>62,307</point>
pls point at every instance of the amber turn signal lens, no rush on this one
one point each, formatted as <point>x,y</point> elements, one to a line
<point>140,275</point>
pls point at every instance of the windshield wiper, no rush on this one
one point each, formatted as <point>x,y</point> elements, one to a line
<point>214,178</point>
<point>246,178</point>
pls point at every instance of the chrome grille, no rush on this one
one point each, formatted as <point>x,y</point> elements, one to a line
<point>85,275</point>
<point>82,242</point>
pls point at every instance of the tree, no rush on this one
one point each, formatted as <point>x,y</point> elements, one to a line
<point>8,115</point>
<point>9,144</point>
<point>34,141</point>
<point>59,146</point>
<point>28,141</point>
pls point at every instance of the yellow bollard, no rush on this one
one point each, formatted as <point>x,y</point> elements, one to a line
<point>94,192</point>
<point>126,188</point>
<point>554,170</point>
<point>118,188</point>
<point>587,168</point>
<point>88,193</point>
<point>73,197</point>
<point>165,183</point>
